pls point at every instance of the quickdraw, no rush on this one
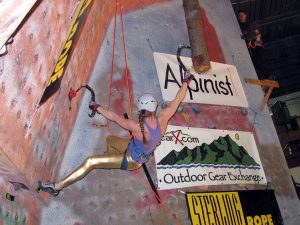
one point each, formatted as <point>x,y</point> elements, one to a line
<point>179,49</point>
<point>73,93</point>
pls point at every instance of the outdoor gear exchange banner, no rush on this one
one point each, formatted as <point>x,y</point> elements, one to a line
<point>190,156</point>
<point>257,207</point>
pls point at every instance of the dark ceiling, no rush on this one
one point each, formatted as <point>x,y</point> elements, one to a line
<point>279,21</point>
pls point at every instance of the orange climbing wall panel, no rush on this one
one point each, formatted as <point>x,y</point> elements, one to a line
<point>25,71</point>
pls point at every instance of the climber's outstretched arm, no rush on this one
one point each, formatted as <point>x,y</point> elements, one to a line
<point>127,124</point>
<point>169,111</point>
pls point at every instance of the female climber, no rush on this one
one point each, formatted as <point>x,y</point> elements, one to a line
<point>120,153</point>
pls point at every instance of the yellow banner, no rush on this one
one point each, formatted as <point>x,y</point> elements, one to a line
<point>67,50</point>
<point>215,208</point>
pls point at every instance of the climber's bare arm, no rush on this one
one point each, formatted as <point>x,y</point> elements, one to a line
<point>166,114</point>
<point>127,124</point>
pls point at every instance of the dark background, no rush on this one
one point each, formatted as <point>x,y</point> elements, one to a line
<point>279,21</point>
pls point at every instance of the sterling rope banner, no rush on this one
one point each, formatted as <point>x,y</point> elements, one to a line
<point>65,55</point>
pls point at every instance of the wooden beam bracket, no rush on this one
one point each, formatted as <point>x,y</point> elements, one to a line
<point>270,84</point>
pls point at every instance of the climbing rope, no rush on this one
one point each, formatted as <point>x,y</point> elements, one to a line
<point>112,58</point>
<point>125,61</point>
<point>118,3</point>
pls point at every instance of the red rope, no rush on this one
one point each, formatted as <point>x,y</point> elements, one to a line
<point>112,58</point>
<point>125,61</point>
<point>112,66</point>
<point>118,2</point>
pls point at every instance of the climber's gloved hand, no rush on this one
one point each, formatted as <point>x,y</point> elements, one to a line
<point>188,77</point>
<point>93,106</point>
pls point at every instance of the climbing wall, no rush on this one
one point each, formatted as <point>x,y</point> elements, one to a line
<point>18,205</point>
<point>59,139</point>
<point>35,153</point>
<point>118,197</point>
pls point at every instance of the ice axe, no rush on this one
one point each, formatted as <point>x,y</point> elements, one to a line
<point>73,93</point>
<point>179,49</point>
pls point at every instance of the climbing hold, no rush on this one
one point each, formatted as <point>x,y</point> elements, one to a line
<point>186,117</point>
<point>9,197</point>
<point>179,110</point>
<point>196,108</point>
<point>237,137</point>
<point>212,126</point>
<point>72,94</point>
<point>17,185</point>
<point>99,125</point>
<point>244,111</point>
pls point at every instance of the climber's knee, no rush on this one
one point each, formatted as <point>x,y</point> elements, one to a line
<point>132,165</point>
<point>89,163</point>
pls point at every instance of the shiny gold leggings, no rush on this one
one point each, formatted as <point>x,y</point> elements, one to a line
<point>116,150</point>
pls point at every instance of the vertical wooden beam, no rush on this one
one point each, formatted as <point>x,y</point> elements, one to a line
<point>271,84</point>
<point>266,98</point>
<point>194,25</point>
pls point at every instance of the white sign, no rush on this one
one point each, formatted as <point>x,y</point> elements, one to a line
<point>190,157</point>
<point>221,85</point>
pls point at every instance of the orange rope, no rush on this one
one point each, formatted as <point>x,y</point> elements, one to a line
<point>118,2</point>
<point>112,58</point>
<point>112,66</point>
<point>125,61</point>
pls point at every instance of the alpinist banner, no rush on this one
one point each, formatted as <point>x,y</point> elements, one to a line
<point>221,85</point>
<point>190,156</point>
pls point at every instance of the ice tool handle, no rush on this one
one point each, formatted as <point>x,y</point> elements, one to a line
<point>179,49</point>
<point>93,99</point>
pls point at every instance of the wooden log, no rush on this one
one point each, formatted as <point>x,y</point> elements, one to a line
<point>198,46</point>
<point>266,83</point>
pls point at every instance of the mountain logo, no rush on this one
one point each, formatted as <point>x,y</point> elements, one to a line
<point>223,152</point>
<point>179,137</point>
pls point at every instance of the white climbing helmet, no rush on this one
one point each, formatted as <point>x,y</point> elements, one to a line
<point>147,102</point>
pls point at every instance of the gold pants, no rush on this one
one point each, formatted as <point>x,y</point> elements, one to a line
<point>116,151</point>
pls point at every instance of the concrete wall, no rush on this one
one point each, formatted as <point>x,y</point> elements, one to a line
<point>113,196</point>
